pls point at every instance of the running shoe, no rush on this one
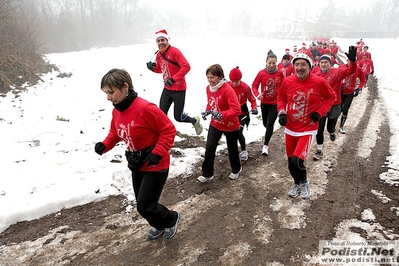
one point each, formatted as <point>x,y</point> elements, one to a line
<point>244,155</point>
<point>265,150</point>
<point>317,156</point>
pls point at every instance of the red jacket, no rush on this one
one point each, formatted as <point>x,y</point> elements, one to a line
<point>287,70</point>
<point>269,85</point>
<point>367,66</point>
<point>348,84</point>
<point>244,94</point>
<point>299,98</point>
<point>224,101</point>
<point>335,76</point>
<point>140,126</point>
<point>170,70</point>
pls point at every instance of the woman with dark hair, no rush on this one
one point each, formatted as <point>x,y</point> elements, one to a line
<point>148,134</point>
<point>269,79</point>
<point>223,106</point>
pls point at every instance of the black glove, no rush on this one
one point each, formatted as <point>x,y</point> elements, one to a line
<point>151,65</point>
<point>372,72</point>
<point>153,159</point>
<point>216,115</point>
<point>99,148</point>
<point>254,111</point>
<point>356,93</point>
<point>315,116</point>
<point>352,53</point>
<point>205,114</point>
<point>169,82</point>
<point>282,119</point>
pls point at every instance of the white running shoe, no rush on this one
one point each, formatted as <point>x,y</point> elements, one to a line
<point>235,176</point>
<point>204,179</point>
<point>265,150</point>
<point>244,155</point>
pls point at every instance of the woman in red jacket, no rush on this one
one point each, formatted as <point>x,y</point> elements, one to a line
<point>222,104</point>
<point>148,134</point>
<point>269,79</point>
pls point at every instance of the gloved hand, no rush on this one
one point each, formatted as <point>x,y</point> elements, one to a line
<point>254,111</point>
<point>169,82</point>
<point>356,93</point>
<point>153,159</point>
<point>151,65</point>
<point>205,114</point>
<point>315,116</point>
<point>216,115</point>
<point>282,119</point>
<point>351,54</point>
<point>372,72</point>
<point>99,148</point>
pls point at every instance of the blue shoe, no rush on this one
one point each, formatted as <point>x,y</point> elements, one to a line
<point>171,231</point>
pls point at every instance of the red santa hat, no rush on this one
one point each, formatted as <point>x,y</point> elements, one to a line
<point>303,44</point>
<point>235,74</point>
<point>162,33</point>
<point>295,46</point>
<point>287,49</point>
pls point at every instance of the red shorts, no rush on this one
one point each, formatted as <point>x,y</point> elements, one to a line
<point>298,146</point>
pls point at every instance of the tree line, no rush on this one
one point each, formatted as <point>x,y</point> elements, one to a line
<point>29,28</point>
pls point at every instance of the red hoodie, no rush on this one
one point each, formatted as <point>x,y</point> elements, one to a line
<point>140,126</point>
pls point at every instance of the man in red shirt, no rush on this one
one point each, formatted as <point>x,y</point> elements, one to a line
<point>302,99</point>
<point>173,66</point>
<point>349,89</point>
<point>367,66</point>
<point>334,77</point>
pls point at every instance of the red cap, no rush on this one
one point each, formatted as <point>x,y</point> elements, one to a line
<point>235,74</point>
<point>287,49</point>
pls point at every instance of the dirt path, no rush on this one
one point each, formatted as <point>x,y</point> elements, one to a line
<point>249,221</point>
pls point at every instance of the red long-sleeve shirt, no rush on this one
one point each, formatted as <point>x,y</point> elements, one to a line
<point>367,66</point>
<point>244,94</point>
<point>140,126</point>
<point>224,101</point>
<point>170,70</point>
<point>335,76</point>
<point>348,84</point>
<point>299,98</point>
<point>269,85</point>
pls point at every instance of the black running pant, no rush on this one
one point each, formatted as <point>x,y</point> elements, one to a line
<point>177,98</point>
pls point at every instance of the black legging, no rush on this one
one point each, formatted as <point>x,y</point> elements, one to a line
<point>178,98</point>
<point>214,135</point>
<point>345,105</point>
<point>331,123</point>
<point>269,116</point>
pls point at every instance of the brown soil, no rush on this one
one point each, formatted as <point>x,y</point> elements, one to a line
<point>224,222</point>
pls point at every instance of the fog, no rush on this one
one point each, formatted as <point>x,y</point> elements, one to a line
<point>60,26</point>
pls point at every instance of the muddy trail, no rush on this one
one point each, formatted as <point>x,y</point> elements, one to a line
<point>249,221</point>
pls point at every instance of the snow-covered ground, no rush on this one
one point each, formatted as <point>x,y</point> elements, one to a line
<point>48,132</point>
